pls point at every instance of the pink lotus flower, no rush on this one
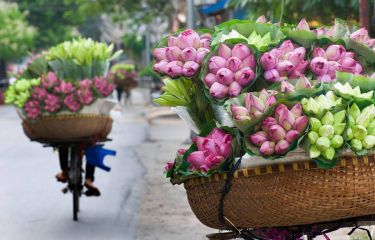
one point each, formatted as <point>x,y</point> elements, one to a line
<point>249,62</point>
<point>181,151</point>
<point>161,67</point>
<point>286,46</point>
<point>52,103</point>
<point>301,123</point>
<point>103,86</point>
<point>348,64</point>
<point>324,78</point>
<point>225,76</point>
<point>72,103</point>
<point>292,135</point>
<point>169,166</point>
<point>50,80</point>
<point>296,110</point>
<point>172,41</point>
<point>286,119</point>
<point>188,38</point>
<point>174,69</point>
<point>350,54</point>
<point>286,87</point>
<point>39,93</point>
<point>303,25</point>
<point>233,64</point>
<point>225,51</point>
<point>279,111</point>
<point>234,89</point>
<point>284,68</point>
<point>215,63</point>
<point>335,52</point>
<point>271,76</point>
<point>173,53</point>
<point>303,82</point>
<point>277,133</point>
<point>190,68</point>
<point>268,122</point>
<point>319,66</point>
<point>64,88</point>
<point>282,147</point>
<point>201,53</point>
<point>239,113</point>
<point>259,138</point>
<point>205,43</point>
<point>160,53</point>
<point>261,19</point>
<point>240,51</point>
<point>196,159</point>
<point>267,148</point>
<point>205,36</point>
<point>360,35</point>
<point>244,76</point>
<point>85,96</point>
<point>32,109</point>
<point>210,79</point>
<point>218,90</point>
<point>268,61</point>
<point>188,54</point>
<point>357,69</point>
<point>333,66</point>
<point>319,52</point>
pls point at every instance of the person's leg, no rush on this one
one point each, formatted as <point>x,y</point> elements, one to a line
<point>64,165</point>
<point>89,181</point>
<point>119,93</point>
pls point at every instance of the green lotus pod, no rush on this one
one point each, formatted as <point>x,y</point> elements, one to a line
<point>337,141</point>
<point>339,128</point>
<point>328,119</point>
<point>22,85</point>
<point>366,116</point>
<point>35,82</point>
<point>368,142</point>
<point>351,121</point>
<point>354,111</point>
<point>10,95</point>
<point>356,144</point>
<point>349,133</point>
<point>329,153</point>
<point>313,137</point>
<point>326,131</point>
<point>359,132</point>
<point>323,143</point>
<point>314,151</point>
<point>315,124</point>
<point>339,117</point>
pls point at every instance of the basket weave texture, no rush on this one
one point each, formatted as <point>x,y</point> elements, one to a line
<point>287,194</point>
<point>67,127</point>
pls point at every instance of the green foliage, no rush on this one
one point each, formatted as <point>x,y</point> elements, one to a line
<point>133,45</point>
<point>16,36</point>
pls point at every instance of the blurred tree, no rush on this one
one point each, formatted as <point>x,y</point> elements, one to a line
<point>16,36</point>
<point>133,46</point>
<point>56,20</point>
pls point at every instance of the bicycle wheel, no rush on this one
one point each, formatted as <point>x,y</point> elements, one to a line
<point>75,179</point>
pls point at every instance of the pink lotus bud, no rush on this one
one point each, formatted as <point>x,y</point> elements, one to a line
<point>267,148</point>
<point>32,109</point>
<point>286,119</point>
<point>218,90</point>
<point>303,25</point>
<point>258,138</point>
<point>249,62</point>
<point>244,76</point>
<point>291,136</point>
<point>239,113</point>
<point>225,76</point>
<point>210,79</point>
<point>286,46</point>
<point>188,54</point>
<point>233,64</point>
<point>169,166</point>
<point>205,36</point>
<point>324,78</point>
<point>319,31</point>
<point>190,68</point>
<point>64,88</point>
<point>303,82</point>
<point>295,58</point>
<point>333,67</point>
<point>319,66</point>
<point>49,80</point>
<point>72,103</point>
<point>284,68</point>
<point>205,43</point>
<point>255,104</point>
<point>272,76</point>
<point>268,61</point>
<point>234,89</point>
<point>85,96</point>
<point>181,151</point>
<point>161,67</point>
<point>173,53</point>
<point>220,136</point>
<point>263,95</point>
<point>360,35</point>
<point>174,69</point>
<point>261,19</point>
<point>370,43</point>
<point>39,93</point>
<point>296,110</point>
<point>215,63</point>
<point>196,159</point>
<point>335,52</point>
<point>348,64</point>
<point>279,110</point>
<point>160,54</point>
<point>286,87</point>
<point>350,54</point>
<point>225,51</point>
<point>282,147</point>
<point>240,51</point>
<point>357,69</point>
<point>301,123</point>
<point>277,133</point>
<point>172,41</point>
<point>319,52</point>
<point>201,53</point>
<point>277,53</point>
<point>52,103</point>
<point>188,38</point>
<point>301,52</point>
<point>271,100</point>
<point>268,122</point>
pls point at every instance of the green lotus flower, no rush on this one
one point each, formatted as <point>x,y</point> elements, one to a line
<point>371,128</point>
<point>35,82</point>
<point>323,143</point>
<point>354,111</point>
<point>366,116</point>
<point>368,142</point>
<point>326,131</point>
<point>356,144</point>
<point>351,121</point>
<point>337,141</point>
<point>311,106</point>
<point>314,151</point>
<point>339,128</point>
<point>10,95</point>
<point>349,133</point>
<point>21,99</point>
<point>22,85</point>
<point>347,89</point>
<point>339,117</point>
<point>328,119</point>
<point>359,132</point>
<point>315,124</point>
<point>328,153</point>
<point>313,137</point>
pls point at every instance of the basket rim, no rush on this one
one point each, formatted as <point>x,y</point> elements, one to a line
<point>68,116</point>
<point>344,162</point>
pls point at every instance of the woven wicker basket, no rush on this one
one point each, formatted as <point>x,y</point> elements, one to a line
<point>67,127</point>
<point>287,194</point>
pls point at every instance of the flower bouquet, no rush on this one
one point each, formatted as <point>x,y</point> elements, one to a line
<point>124,75</point>
<point>59,94</point>
<point>285,121</point>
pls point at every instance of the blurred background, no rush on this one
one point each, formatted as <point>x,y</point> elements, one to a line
<point>136,202</point>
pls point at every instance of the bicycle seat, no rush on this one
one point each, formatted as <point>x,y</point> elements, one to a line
<point>95,156</point>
